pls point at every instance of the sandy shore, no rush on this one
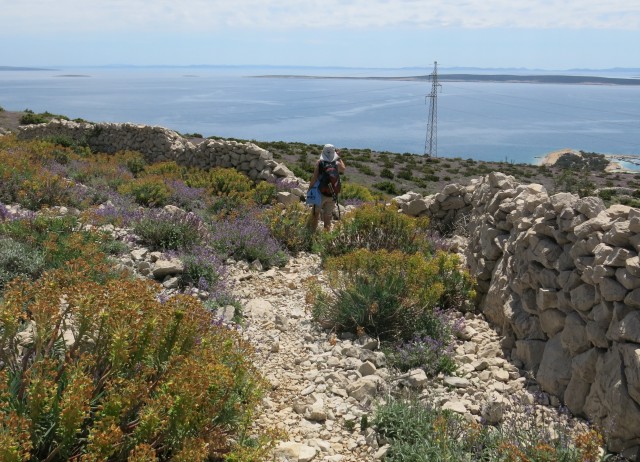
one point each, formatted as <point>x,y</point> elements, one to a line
<point>551,158</point>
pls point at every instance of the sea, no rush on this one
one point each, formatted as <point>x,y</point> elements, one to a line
<point>512,122</point>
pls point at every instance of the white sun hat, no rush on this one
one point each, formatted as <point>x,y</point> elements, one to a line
<point>328,153</point>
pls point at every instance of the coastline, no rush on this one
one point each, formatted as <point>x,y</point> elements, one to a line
<point>614,160</point>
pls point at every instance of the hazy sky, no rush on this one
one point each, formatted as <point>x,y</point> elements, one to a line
<point>546,34</point>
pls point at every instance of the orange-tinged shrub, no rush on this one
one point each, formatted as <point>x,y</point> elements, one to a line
<point>168,170</point>
<point>149,190</point>
<point>109,371</point>
<point>219,181</point>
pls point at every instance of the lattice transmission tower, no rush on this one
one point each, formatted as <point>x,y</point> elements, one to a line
<point>431,142</point>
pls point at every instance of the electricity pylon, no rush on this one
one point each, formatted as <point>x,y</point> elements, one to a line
<point>431,142</point>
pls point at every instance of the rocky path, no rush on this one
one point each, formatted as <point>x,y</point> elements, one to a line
<point>323,385</point>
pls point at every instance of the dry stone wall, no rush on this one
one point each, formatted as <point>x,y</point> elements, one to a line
<point>159,144</point>
<point>559,276</point>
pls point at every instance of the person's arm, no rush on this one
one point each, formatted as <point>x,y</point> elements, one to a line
<point>341,166</point>
<point>316,174</point>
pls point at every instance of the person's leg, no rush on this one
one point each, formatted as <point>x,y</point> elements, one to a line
<point>327,212</point>
<point>314,217</point>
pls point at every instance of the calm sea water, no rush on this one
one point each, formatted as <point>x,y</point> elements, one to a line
<point>484,121</point>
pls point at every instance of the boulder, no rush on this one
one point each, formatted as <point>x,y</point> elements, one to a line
<point>366,387</point>
<point>554,372</point>
<point>609,404</point>
<point>529,352</point>
<point>590,206</point>
<point>631,359</point>
<point>291,451</point>
<point>574,335</point>
<point>162,268</point>
<point>584,297</point>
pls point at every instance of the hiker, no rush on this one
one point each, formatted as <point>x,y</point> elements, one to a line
<point>327,173</point>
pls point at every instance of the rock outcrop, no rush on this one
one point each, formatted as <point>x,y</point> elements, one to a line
<point>559,276</point>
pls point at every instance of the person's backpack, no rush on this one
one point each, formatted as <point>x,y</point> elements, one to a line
<point>329,178</point>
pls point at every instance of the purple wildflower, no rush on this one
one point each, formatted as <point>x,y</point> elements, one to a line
<point>247,237</point>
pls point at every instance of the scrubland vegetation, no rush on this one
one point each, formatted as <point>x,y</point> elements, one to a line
<point>98,365</point>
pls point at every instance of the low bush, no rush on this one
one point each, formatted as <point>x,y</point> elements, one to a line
<point>366,170</point>
<point>352,191</point>
<point>405,174</point>
<point>17,259</point>
<point>387,187</point>
<point>390,295</point>
<point>109,372</point>
<point>246,237</point>
<point>29,117</point>
<point>265,193</point>
<point>430,354</point>
<point>60,240</point>
<point>77,146</point>
<point>289,225</point>
<point>376,227</point>
<point>167,170</point>
<point>218,181</point>
<point>186,197</point>
<point>148,191</point>
<point>46,189</point>
<point>386,173</point>
<point>28,178</point>
<point>165,230</point>
<point>204,270</point>
<point>419,432</point>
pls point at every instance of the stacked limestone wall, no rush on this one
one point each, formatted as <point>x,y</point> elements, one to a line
<point>560,276</point>
<point>160,144</point>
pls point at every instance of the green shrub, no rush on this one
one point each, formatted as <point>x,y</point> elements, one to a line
<point>425,351</point>
<point>419,432</point>
<point>115,374</point>
<point>218,181</point>
<point>265,193</point>
<point>606,194</point>
<point>17,259</point>
<point>389,295</point>
<point>366,170</point>
<point>133,160</point>
<point>79,147</point>
<point>388,187</point>
<point>30,117</point>
<point>386,173</point>
<point>355,191</point>
<point>148,191</point>
<point>304,172</point>
<point>204,270</point>
<point>60,240</point>
<point>376,227</point>
<point>164,230</point>
<point>167,170</point>
<point>46,189</point>
<point>246,237</point>
<point>288,224</point>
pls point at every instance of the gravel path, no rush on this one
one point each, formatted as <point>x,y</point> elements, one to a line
<point>323,385</point>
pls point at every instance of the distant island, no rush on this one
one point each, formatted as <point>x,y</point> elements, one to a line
<point>16,68</point>
<point>505,78</point>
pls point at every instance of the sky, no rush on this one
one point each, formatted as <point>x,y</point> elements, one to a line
<point>534,34</point>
